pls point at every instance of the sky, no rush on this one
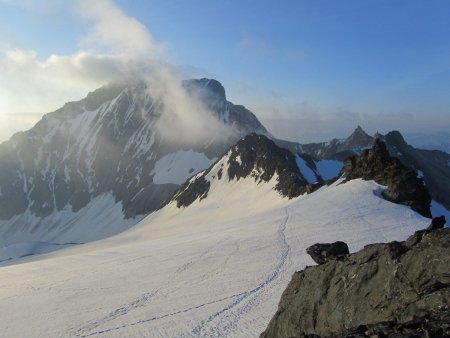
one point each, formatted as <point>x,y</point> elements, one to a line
<point>310,70</point>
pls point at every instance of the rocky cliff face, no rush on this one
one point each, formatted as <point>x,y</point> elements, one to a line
<point>403,185</point>
<point>433,165</point>
<point>339,149</point>
<point>399,289</point>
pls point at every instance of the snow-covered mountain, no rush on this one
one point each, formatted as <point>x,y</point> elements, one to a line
<point>95,167</point>
<point>432,165</point>
<point>213,261</point>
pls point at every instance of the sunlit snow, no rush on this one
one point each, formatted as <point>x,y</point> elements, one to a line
<point>216,268</point>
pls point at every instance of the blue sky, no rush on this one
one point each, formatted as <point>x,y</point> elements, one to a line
<point>376,63</point>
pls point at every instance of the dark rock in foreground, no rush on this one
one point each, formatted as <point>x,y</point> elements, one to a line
<point>399,289</point>
<point>323,253</point>
<point>403,185</point>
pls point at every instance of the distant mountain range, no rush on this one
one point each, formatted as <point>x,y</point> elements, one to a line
<point>97,166</point>
<point>430,141</point>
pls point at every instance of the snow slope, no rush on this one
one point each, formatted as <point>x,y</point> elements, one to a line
<point>215,268</point>
<point>102,217</point>
<point>177,167</point>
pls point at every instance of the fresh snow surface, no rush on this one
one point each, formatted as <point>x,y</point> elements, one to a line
<point>307,173</point>
<point>214,269</point>
<point>100,218</point>
<point>329,169</point>
<point>177,167</point>
<point>23,249</point>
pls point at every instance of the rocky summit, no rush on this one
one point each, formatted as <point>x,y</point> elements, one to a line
<point>396,289</point>
<point>254,156</point>
<point>339,149</point>
<point>433,165</point>
<point>403,184</point>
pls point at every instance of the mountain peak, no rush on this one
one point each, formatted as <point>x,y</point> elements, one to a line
<point>254,157</point>
<point>206,87</point>
<point>258,153</point>
<point>403,185</point>
<point>358,139</point>
<point>395,137</point>
<point>359,129</point>
<point>359,132</point>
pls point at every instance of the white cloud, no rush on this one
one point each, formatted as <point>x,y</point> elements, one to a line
<point>116,47</point>
<point>30,85</point>
<point>116,31</point>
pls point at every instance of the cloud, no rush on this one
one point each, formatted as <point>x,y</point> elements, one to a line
<point>30,85</point>
<point>116,31</point>
<point>116,47</point>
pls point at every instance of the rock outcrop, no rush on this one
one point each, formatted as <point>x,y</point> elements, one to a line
<point>322,253</point>
<point>399,289</point>
<point>403,185</point>
<point>432,164</point>
<point>338,149</point>
<point>259,157</point>
<point>256,157</point>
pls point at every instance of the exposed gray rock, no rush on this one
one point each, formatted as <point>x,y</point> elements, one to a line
<point>433,164</point>
<point>394,289</point>
<point>403,185</point>
<point>256,157</point>
<point>322,253</point>
<point>339,149</point>
<point>259,154</point>
<point>190,191</point>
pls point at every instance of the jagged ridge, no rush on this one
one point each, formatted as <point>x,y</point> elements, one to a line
<point>433,164</point>
<point>256,157</point>
<point>403,185</point>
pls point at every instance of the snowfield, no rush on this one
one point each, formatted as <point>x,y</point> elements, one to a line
<point>102,217</point>
<point>216,268</point>
<point>177,167</point>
